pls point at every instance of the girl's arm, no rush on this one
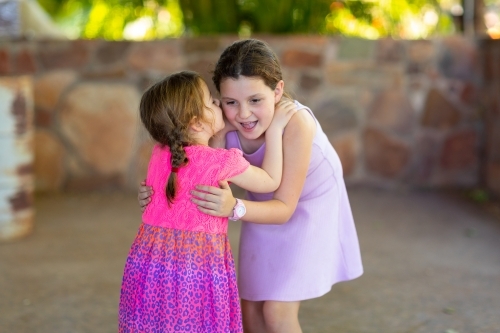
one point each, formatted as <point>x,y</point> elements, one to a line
<point>253,179</point>
<point>268,178</point>
<point>297,146</point>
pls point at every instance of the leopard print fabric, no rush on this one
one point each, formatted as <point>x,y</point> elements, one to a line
<point>179,281</point>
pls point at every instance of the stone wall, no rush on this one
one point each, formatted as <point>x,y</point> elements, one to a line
<point>490,102</point>
<point>397,112</point>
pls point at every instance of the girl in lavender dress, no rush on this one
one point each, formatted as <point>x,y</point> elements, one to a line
<point>301,239</point>
<point>179,275</point>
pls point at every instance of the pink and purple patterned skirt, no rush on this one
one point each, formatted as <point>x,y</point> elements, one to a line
<point>179,281</point>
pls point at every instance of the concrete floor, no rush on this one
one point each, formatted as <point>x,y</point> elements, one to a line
<point>432,265</point>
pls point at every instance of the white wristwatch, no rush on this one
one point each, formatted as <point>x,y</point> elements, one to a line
<point>239,210</point>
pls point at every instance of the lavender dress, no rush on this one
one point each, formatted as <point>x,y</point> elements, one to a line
<point>315,249</point>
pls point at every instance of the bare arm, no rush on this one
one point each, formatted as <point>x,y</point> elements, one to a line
<point>297,146</point>
<point>268,178</point>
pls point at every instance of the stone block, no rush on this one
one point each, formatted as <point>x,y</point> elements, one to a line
<point>301,59</point>
<point>309,82</point>
<point>460,151</point>
<point>96,182</point>
<point>5,66</point>
<point>439,112</point>
<point>421,51</point>
<point>469,93</point>
<point>64,54</point>
<point>389,50</point>
<point>385,156</point>
<point>459,59</point>
<point>201,44</point>
<point>347,148</point>
<point>43,118</point>
<point>336,116</point>
<point>205,67</point>
<point>111,52</point>
<point>491,68</point>
<point>426,157</point>
<point>50,170</point>
<point>25,62</point>
<point>100,122</point>
<point>493,177</point>
<point>492,143</point>
<point>107,73</point>
<point>421,56</point>
<point>50,86</point>
<point>392,110</point>
<point>364,74</point>
<point>163,56</point>
<point>142,160</point>
<point>356,49</point>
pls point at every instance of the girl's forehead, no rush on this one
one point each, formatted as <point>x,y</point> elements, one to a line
<point>243,86</point>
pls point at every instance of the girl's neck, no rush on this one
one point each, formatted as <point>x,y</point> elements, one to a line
<point>251,146</point>
<point>199,138</point>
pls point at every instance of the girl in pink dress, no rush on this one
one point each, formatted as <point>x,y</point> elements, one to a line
<point>179,275</point>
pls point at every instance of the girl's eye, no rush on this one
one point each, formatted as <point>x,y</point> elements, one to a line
<point>255,100</point>
<point>230,103</point>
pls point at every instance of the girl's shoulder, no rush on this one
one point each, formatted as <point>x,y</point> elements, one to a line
<point>302,122</point>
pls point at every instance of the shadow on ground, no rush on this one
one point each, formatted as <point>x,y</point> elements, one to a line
<point>432,265</point>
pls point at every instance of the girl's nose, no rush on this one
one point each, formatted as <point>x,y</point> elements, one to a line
<point>244,112</point>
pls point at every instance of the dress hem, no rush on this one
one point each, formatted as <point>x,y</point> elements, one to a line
<point>298,298</point>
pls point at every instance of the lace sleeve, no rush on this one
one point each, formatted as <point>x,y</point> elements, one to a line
<point>233,164</point>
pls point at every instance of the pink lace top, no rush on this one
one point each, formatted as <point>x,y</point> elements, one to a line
<point>206,166</point>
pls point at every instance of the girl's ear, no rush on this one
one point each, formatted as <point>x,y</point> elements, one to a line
<point>196,125</point>
<point>278,91</point>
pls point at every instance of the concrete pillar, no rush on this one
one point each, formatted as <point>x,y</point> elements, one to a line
<point>16,157</point>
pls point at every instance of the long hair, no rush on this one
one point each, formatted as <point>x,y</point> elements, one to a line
<point>250,58</point>
<point>167,109</point>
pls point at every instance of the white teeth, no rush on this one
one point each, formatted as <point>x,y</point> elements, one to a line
<point>249,125</point>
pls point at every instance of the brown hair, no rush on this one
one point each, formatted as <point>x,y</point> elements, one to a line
<point>167,108</point>
<point>250,58</point>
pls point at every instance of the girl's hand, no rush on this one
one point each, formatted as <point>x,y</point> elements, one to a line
<point>144,195</point>
<point>283,112</point>
<point>214,201</point>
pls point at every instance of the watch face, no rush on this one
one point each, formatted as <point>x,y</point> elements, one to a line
<point>241,210</point>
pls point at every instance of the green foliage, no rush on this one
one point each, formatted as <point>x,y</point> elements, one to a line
<point>153,19</point>
<point>202,17</point>
<point>117,19</point>
<point>292,16</point>
<point>387,18</point>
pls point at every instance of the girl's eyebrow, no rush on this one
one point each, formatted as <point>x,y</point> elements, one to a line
<point>251,96</point>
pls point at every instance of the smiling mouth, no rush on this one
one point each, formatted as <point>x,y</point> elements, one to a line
<point>249,125</point>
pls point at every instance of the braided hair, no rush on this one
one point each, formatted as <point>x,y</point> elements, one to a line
<point>167,109</point>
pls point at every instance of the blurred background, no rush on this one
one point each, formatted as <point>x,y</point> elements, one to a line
<point>406,90</point>
<point>147,20</point>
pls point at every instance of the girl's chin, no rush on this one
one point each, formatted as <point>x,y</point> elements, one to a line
<point>252,135</point>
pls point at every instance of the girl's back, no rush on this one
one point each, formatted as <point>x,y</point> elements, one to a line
<point>180,274</point>
<point>205,166</point>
